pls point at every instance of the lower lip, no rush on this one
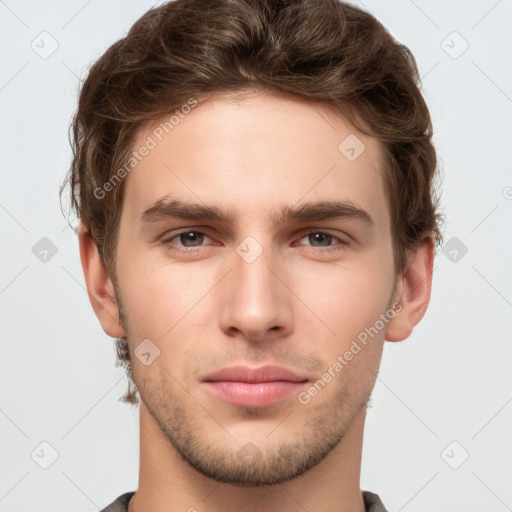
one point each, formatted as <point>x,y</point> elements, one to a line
<point>253,394</point>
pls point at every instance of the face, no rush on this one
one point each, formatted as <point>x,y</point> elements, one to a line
<point>275,277</point>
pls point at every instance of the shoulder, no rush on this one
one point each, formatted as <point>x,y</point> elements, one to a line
<point>120,504</point>
<point>372,502</point>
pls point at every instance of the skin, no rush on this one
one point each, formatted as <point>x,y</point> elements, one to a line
<point>300,304</point>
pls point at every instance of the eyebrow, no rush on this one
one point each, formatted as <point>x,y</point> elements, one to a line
<point>168,208</point>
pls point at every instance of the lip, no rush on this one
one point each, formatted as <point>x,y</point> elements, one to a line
<point>267,373</point>
<point>253,387</point>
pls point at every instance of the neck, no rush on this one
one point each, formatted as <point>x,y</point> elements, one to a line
<point>167,483</point>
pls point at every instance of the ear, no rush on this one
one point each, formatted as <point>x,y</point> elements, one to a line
<point>412,292</point>
<point>99,285</point>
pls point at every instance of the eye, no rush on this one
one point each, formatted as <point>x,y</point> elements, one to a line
<point>324,240</point>
<point>191,240</point>
<point>190,236</point>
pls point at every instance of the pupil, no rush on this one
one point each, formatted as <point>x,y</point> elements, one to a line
<point>189,236</point>
<point>321,235</point>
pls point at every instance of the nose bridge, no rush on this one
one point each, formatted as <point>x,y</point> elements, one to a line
<point>254,282</point>
<point>255,299</point>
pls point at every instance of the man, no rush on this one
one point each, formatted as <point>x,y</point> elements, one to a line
<point>254,181</point>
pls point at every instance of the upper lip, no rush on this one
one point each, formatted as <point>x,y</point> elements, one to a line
<point>268,373</point>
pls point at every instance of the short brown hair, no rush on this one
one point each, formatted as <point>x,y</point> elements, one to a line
<point>326,51</point>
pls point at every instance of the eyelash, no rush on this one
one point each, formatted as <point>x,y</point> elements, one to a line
<point>167,241</point>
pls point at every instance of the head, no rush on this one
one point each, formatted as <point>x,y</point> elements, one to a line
<point>250,119</point>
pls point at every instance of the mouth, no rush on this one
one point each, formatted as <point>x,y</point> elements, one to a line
<point>253,387</point>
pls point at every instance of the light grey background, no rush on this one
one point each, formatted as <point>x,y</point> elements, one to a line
<point>444,393</point>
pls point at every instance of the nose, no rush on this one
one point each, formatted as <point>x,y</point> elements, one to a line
<point>256,303</point>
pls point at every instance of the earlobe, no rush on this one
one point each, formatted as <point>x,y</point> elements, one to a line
<point>99,285</point>
<point>412,292</point>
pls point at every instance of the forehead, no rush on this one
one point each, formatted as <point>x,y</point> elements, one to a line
<point>253,155</point>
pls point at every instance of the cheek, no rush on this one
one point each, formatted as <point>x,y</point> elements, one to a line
<point>159,297</point>
<point>346,298</point>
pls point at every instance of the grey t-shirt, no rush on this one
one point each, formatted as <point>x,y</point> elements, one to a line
<point>372,503</point>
